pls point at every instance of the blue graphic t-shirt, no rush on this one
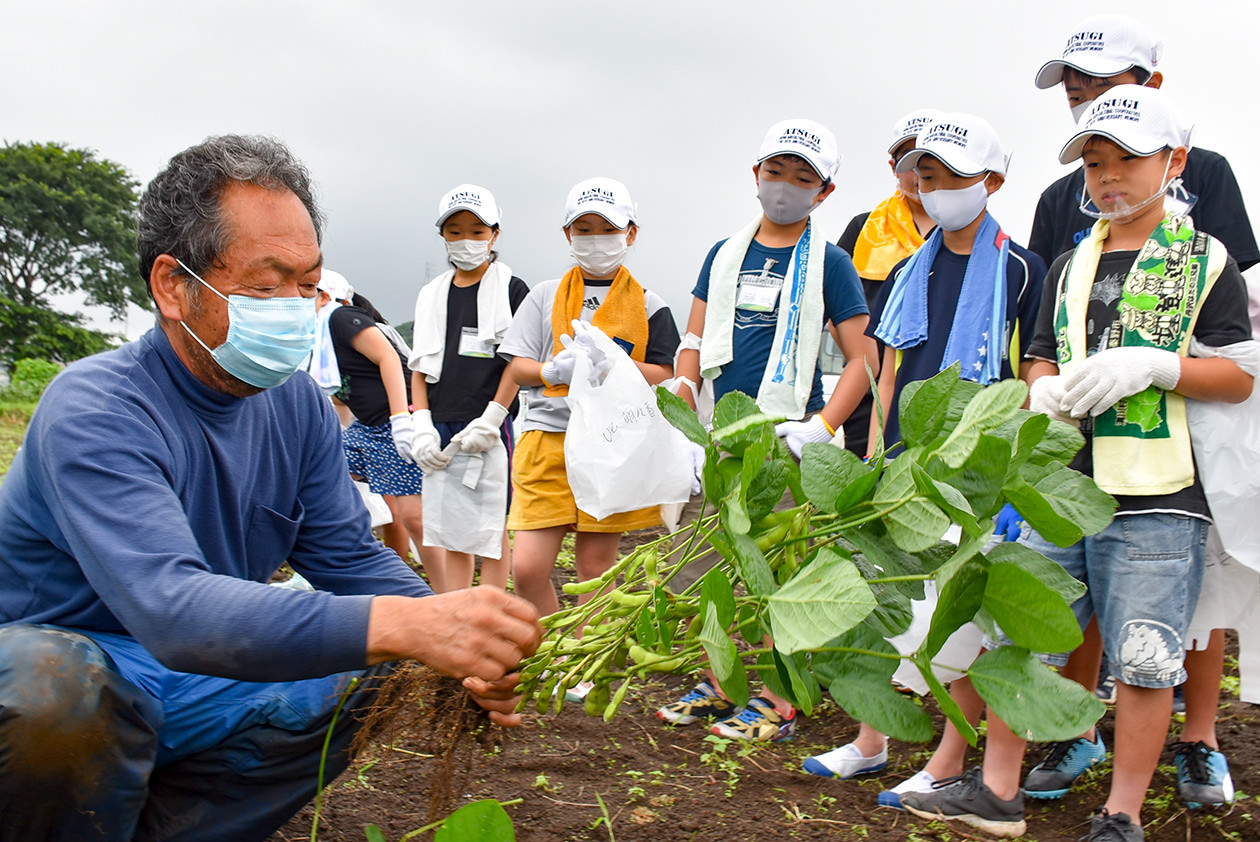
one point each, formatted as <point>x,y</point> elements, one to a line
<point>761,279</point>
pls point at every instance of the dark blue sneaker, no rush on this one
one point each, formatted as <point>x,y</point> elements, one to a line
<point>1202,776</point>
<point>1065,762</point>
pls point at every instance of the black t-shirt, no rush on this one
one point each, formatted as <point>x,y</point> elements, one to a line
<point>1024,276</point>
<point>1059,224</point>
<point>1223,320</point>
<point>848,241</point>
<point>361,386</point>
<point>468,382</point>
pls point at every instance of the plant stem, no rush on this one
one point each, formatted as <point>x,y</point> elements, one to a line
<point>323,758</point>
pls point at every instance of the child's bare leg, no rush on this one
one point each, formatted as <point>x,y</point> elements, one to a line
<point>532,562</point>
<point>951,755</point>
<point>1204,668</point>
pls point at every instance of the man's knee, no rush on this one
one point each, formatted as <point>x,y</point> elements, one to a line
<point>61,702</point>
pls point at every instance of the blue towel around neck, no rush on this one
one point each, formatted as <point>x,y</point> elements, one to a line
<point>979,328</point>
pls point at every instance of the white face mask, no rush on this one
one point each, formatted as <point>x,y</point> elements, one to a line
<point>955,209</point>
<point>598,254</point>
<point>468,254</point>
<point>1078,111</point>
<point>1177,200</point>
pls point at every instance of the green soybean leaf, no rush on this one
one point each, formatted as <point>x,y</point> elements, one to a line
<point>924,406</point>
<point>646,631</point>
<point>1063,505</point>
<point>721,475</point>
<point>716,590</point>
<point>751,564</point>
<point>683,417</point>
<point>995,404</point>
<point>834,479</point>
<point>1059,444</point>
<point>791,679</point>
<point>660,608</point>
<point>734,517</point>
<point>980,476</point>
<point>943,495</point>
<point>723,657</point>
<point>373,833</point>
<point>824,599</point>
<point>483,820</point>
<point>960,598</point>
<point>738,422</point>
<point>943,700</point>
<point>1028,611</point>
<point>1053,575</point>
<point>1036,702</point>
<point>872,542</point>
<point>766,489</point>
<point>913,522</point>
<point>874,701</point>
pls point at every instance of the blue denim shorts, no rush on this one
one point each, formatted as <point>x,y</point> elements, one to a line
<point>1143,573</point>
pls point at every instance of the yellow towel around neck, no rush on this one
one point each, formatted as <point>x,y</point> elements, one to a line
<point>622,315</point>
<point>888,237</point>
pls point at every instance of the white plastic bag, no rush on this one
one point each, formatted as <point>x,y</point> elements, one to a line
<point>465,504</point>
<point>620,452</point>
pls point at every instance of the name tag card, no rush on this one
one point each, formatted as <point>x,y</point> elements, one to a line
<point>471,346</point>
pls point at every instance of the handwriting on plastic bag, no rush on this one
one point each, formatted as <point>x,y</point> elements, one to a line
<point>629,415</point>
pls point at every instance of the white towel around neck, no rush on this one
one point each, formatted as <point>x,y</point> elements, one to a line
<point>428,338</point>
<point>789,375</point>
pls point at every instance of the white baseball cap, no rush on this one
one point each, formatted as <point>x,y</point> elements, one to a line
<point>335,284</point>
<point>1138,118</point>
<point>1102,46</point>
<point>476,200</point>
<point>911,124</point>
<point>605,196</point>
<point>806,138</point>
<point>965,143</point>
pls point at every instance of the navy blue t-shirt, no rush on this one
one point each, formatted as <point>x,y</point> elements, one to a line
<point>753,336</point>
<point>1025,273</point>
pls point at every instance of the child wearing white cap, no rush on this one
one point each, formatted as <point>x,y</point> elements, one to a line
<point>1107,50</point>
<point>1104,51</point>
<point>600,224</point>
<point>969,289</point>
<point>1110,353</point>
<point>461,389</point>
<point>882,238</point>
<point>761,304</point>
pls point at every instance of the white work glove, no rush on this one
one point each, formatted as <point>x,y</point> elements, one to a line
<point>696,452</point>
<point>1109,376</point>
<point>1045,395</point>
<point>426,444</point>
<point>559,369</point>
<point>401,428</point>
<point>796,434</point>
<point>481,433</point>
<point>584,342</point>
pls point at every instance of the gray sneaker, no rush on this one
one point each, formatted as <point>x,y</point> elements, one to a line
<point>966,799</point>
<point>1114,827</point>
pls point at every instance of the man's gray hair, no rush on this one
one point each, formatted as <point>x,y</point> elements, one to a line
<point>181,209</point>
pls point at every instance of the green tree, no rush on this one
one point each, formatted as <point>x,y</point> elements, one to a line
<point>67,224</point>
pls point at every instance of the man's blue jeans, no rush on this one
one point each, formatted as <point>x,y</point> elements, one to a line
<point>100,742</point>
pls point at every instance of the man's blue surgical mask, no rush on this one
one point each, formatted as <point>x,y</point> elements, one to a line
<point>268,339</point>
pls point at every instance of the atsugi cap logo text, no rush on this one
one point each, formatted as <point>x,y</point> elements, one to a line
<point>1116,108</point>
<point>947,133</point>
<point>1086,42</point>
<point>801,137</point>
<point>597,194</point>
<point>464,197</point>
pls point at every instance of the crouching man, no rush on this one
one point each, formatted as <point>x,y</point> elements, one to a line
<point>152,686</point>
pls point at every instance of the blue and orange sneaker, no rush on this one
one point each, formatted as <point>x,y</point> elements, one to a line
<point>759,721</point>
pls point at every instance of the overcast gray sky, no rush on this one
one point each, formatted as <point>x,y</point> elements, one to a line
<point>393,103</point>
